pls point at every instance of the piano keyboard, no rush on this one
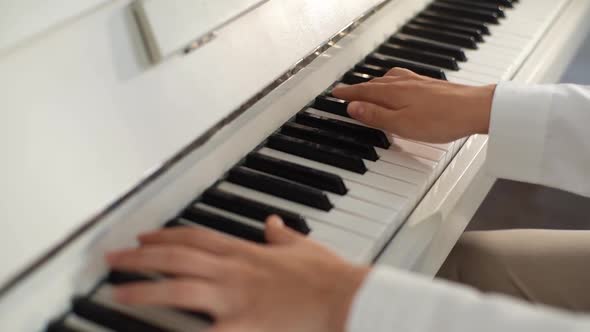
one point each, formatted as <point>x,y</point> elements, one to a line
<point>343,184</point>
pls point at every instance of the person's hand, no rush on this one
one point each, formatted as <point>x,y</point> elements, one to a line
<point>289,284</point>
<point>418,107</point>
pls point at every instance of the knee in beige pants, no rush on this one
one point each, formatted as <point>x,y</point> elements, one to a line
<point>540,266</point>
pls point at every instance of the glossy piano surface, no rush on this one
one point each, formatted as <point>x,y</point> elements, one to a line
<point>22,20</point>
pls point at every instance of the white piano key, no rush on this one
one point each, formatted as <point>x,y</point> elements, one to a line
<point>376,196</point>
<point>507,66</point>
<point>504,40</point>
<point>487,61</point>
<point>363,209</point>
<point>408,160</point>
<point>506,35</point>
<point>161,317</point>
<point>535,10</point>
<point>477,68</point>
<point>515,21</point>
<point>336,218</point>
<point>418,149</point>
<point>465,81</point>
<point>370,179</point>
<point>474,76</point>
<point>489,58</point>
<point>460,80</point>
<point>348,245</point>
<point>440,146</point>
<point>521,15</point>
<point>507,46</point>
<point>458,145</point>
<point>412,177</point>
<point>505,43</point>
<point>517,31</point>
<point>494,50</point>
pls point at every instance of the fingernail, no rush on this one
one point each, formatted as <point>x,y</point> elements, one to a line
<point>276,221</point>
<point>356,110</point>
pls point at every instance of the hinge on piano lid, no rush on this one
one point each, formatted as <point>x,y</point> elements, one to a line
<point>182,26</point>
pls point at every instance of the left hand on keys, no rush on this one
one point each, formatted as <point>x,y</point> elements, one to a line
<point>289,284</point>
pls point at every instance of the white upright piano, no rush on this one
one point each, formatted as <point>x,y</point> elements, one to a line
<point>119,117</point>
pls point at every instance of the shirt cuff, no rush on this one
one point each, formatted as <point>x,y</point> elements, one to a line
<point>518,127</point>
<point>387,301</point>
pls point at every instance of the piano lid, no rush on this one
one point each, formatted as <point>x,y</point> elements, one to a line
<point>86,117</point>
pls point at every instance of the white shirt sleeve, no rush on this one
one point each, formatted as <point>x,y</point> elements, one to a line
<point>538,134</point>
<point>541,134</point>
<point>395,301</point>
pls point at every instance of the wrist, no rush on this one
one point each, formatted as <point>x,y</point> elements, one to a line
<point>481,108</point>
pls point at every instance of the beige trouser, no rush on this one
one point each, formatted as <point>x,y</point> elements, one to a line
<point>541,266</point>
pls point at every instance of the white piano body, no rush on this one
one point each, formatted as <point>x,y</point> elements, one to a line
<point>109,129</point>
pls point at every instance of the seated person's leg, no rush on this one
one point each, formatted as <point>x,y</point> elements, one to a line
<point>541,266</point>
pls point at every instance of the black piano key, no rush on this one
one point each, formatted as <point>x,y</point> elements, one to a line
<point>355,77</point>
<point>473,32</point>
<point>478,5</point>
<point>432,59</point>
<point>252,209</point>
<point>369,69</point>
<point>505,3</point>
<point>59,326</point>
<point>321,136</point>
<point>110,318</point>
<point>314,178</point>
<point>198,216</point>
<point>482,15</point>
<point>456,21</point>
<point>452,38</point>
<point>280,187</point>
<point>331,105</point>
<point>175,223</point>
<point>363,134</point>
<point>123,277</point>
<point>318,152</point>
<point>429,46</point>
<point>227,226</point>
<point>391,62</point>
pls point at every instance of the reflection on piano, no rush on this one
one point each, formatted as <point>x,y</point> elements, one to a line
<point>289,147</point>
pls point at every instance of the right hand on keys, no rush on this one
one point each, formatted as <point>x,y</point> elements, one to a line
<point>291,284</point>
<point>420,108</point>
